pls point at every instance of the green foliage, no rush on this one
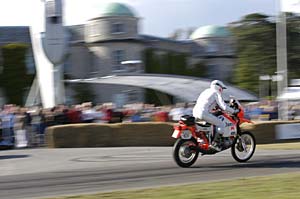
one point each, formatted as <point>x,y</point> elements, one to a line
<point>158,98</point>
<point>293,45</point>
<point>280,186</point>
<point>14,79</point>
<point>83,93</point>
<point>256,48</point>
<point>168,63</point>
<point>199,70</point>
<point>171,63</point>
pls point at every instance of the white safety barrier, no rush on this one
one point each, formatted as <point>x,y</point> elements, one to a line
<point>21,139</point>
<point>287,131</point>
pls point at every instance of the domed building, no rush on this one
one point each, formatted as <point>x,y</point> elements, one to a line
<point>106,42</point>
<point>218,45</point>
<point>100,46</point>
<point>116,22</point>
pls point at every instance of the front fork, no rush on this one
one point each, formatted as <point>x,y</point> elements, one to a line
<point>241,145</point>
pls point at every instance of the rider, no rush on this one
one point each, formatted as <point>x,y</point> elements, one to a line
<point>207,102</point>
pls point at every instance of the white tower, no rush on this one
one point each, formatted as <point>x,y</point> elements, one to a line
<point>48,37</point>
<point>55,44</point>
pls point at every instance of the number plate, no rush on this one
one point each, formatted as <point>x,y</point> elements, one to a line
<point>175,134</point>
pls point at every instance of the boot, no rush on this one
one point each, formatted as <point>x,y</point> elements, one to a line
<point>215,143</point>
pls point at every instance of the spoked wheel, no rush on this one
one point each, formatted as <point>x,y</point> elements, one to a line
<point>185,153</point>
<point>244,147</point>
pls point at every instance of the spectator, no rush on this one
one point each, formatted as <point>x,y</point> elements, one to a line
<point>88,113</point>
<point>99,115</point>
<point>74,115</point>
<point>161,115</point>
<point>42,122</point>
<point>60,116</point>
<point>136,117</point>
<point>7,119</point>
<point>178,111</point>
<point>19,129</point>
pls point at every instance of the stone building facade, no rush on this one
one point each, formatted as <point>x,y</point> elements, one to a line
<point>99,47</point>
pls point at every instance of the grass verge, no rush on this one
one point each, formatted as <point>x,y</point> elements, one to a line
<point>283,186</point>
<point>281,146</point>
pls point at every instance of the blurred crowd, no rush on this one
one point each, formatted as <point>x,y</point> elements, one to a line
<point>268,110</point>
<point>26,126</point>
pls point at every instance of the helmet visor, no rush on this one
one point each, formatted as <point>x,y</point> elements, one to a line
<point>221,85</point>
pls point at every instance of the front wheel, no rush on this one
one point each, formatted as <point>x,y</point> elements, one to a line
<point>185,153</point>
<point>244,147</point>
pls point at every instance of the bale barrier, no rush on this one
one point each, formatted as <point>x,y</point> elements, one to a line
<point>265,132</point>
<point>110,135</point>
<point>138,134</point>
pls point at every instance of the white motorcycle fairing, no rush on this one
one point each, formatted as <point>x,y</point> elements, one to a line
<point>230,128</point>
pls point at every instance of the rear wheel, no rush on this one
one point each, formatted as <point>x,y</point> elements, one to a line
<point>185,152</point>
<point>244,147</point>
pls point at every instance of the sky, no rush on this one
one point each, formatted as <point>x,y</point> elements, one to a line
<point>157,17</point>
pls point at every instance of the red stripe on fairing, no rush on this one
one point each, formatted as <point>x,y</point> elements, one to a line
<point>229,118</point>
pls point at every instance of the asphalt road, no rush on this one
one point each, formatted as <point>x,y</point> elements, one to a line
<point>39,173</point>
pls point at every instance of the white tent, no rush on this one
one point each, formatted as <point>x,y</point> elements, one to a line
<point>184,87</point>
<point>290,93</point>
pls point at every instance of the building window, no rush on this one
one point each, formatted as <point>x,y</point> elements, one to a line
<point>67,66</point>
<point>132,96</point>
<point>54,19</point>
<point>94,63</point>
<point>29,61</point>
<point>213,71</point>
<point>117,57</point>
<point>117,28</point>
<point>93,30</point>
<point>212,48</point>
<point>1,67</point>
<point>230,48</point>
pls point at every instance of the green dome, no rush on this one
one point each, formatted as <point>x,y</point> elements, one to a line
<point>210,31</point>
<point>117,9</point>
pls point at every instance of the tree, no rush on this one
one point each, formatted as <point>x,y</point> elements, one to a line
<point>14,79</point>
<point>169,62</point>
<point>293,45</point>
<point>198,70</point>
<point>83,93</point>
<point>256,49</point>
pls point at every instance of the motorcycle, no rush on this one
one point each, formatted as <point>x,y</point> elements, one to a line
<point>197,137</point>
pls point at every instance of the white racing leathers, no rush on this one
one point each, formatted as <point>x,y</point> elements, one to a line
<point>206,102</point>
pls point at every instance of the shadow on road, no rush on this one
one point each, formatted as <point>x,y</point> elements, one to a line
<point>289,162</point>
<point>5,157</point>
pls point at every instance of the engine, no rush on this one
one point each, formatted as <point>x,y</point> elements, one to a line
<point>227,142</point>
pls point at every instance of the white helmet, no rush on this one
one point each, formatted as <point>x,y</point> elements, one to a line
<point>217,85</point>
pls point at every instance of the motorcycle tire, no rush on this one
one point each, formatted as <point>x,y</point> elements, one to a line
<point>241,146</point>
<point>185,153</point>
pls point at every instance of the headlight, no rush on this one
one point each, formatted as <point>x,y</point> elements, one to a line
<point>186,135</point>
